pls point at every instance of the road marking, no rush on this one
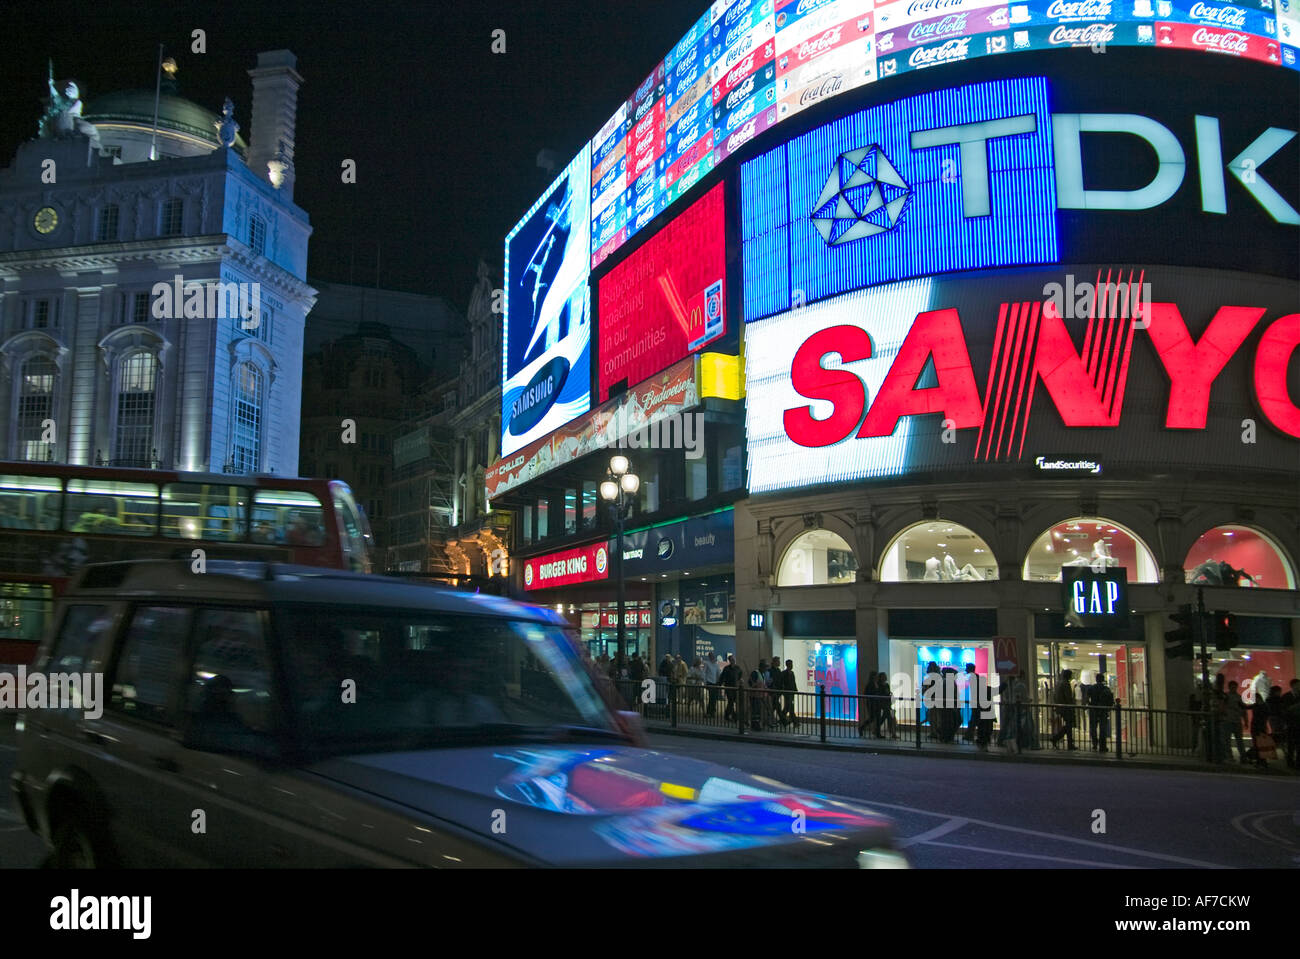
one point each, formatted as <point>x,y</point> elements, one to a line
<point>1257,819</point>
<point>942,829</point>
<point>1108,847</point>
<point>1029,855</point>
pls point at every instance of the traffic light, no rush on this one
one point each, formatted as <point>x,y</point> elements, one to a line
<point>1225,630</point>
<point>1180,642</point>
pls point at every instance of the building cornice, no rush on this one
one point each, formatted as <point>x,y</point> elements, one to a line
<point>72,261</point>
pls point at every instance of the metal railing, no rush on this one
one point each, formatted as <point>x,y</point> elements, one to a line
<point>1116,732</point>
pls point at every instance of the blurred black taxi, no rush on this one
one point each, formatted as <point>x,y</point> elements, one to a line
<point>260,715</point>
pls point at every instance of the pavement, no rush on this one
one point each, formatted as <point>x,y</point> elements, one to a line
<point>809,738</point>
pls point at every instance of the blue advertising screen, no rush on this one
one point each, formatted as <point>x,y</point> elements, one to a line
<point>546,358</point>
<point>956,179</point>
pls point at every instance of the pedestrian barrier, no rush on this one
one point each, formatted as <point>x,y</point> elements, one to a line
<point>1116,732</point>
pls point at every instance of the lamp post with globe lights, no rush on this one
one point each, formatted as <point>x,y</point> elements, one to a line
<point>619,490</point>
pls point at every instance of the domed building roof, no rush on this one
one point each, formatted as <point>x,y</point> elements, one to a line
<point>133,110</point>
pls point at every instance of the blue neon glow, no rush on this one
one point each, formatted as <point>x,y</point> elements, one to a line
<point>547,311</point>
<point>787,262</point>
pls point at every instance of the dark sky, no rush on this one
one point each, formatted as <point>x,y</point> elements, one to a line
<point>445,133</point>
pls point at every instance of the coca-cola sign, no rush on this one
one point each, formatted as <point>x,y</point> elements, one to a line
<point>947,52</point>
<point>951,25</point>
<point>1079,9</point>
<point>1082,36</point>
<point>815,47</point>
<point>1223,42</point>
<point>1219,16</point>
<point>739,94</point>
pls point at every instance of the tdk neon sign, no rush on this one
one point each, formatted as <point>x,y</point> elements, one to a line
<point>957,179</point>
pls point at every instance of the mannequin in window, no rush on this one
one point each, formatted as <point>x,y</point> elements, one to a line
<point>966,574</point>
<point>932,570</point>
<point>1099,561</point>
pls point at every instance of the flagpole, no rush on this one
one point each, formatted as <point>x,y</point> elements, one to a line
<point>157,96</point>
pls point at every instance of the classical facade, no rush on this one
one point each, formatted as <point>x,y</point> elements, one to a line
<point>152,311</point>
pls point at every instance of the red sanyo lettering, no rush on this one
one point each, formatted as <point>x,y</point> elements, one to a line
<point>1191,365</point>
<point>1276,347</point>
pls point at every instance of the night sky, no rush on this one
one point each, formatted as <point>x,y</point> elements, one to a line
<point>444,132</point>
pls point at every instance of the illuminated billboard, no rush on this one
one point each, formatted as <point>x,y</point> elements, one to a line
<point>877,196</point>
<point>546,333</point>
<point>667,299</point>
<point>1136,368</point>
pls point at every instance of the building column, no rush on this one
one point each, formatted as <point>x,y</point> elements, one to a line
<point>87,374</point>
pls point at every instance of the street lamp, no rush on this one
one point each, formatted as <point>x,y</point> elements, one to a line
<point>619,490</point>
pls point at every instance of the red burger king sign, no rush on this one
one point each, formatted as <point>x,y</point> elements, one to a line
<point>582,564</point>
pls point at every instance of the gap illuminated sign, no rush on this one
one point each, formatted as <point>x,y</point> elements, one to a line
<point>1092,598</point>
<point>959,179</point>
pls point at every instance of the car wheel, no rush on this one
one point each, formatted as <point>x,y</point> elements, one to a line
<point>78,845</point>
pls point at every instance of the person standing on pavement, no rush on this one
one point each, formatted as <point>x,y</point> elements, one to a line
<point>730,680</point>
<point>1234,713</point>
<point>1063,699</point>
<point>711,671</point>
<point>790,685</point>
<point>885,703</point>
<point>1100,703</point>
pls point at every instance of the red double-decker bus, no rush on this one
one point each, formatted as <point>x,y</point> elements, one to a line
<point>55,519</point>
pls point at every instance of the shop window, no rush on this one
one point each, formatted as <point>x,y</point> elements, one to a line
<point>1099,544</point>
<point>817,558</point>
<point>938,552</point>
<point>1237,556</point>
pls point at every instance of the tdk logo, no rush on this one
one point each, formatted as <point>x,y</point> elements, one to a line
<point>865,194</point>
<point>868,201</point>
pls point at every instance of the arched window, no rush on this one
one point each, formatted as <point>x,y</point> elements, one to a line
<point>817,558</point>
<point>1100,544</point>
<point>35,405</point>
<point>1252,559</point>
<point>246,419</point>
<point>938,552</point>
<point>133,438</point>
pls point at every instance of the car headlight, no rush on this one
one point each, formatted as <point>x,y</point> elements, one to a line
<point>882,859</point>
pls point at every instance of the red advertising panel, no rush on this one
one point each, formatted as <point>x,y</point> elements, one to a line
<point>666,300</point>
<point>580,565</point>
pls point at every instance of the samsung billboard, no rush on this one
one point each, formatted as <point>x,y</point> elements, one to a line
<point>546,337</point>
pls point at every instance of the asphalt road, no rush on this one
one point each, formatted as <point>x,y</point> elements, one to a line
<point>958,813</point>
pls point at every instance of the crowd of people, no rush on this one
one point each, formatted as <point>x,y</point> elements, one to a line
<point>1272,721</point>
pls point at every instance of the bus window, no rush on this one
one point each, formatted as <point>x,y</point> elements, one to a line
<point>25,609</point>
<point>204,511</point>
<point>29,502</point>
<point>105,506</point>
<point>352,529</point>
<point>287,518</point>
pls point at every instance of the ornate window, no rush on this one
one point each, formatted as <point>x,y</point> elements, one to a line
<point>35,405</point>
<point>173,217</point>
<point>938,551</point>
<point>257,234</point>
<point>246,419</point>
<point>1238,556</point>
<point>106,228</point>
<point>817,558</point>
<point>133,435</point>
<point>1097,543</point>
